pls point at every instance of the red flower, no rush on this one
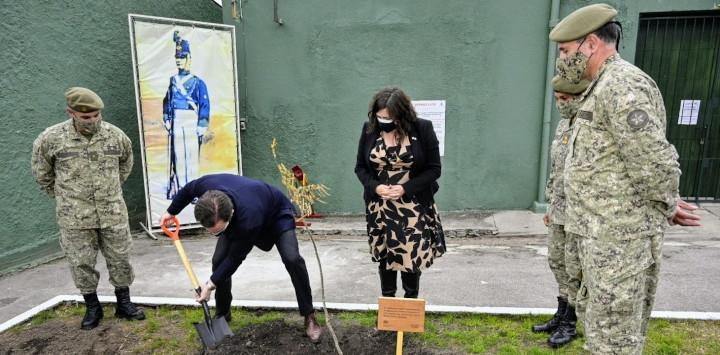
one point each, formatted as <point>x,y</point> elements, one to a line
<point>297,171</point>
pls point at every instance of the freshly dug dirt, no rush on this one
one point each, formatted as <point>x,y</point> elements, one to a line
<point>279,337</point>
<point>63,336</point>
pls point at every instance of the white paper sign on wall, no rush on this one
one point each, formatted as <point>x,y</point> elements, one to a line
<point>689,110</point>
<point>433,110</point>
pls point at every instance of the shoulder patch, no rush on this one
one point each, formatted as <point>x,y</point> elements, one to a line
<point>637,119</point>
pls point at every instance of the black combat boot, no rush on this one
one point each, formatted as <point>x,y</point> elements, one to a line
<point>223,298</point>
<point>124,308</point>
<point>565,332</point>
<point>93,312</point>
<point>553,323</point>
<point>411,284</point>
<point>388,281</point>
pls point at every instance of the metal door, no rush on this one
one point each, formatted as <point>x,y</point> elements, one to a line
<point>681,51</point>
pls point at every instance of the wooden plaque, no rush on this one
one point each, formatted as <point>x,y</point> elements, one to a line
<point>401,314</point>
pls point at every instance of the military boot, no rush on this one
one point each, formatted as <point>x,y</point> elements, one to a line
<point>388,282</point>
<point>93,312</point>
<point>565,332</point>
<point>552,324</point>
<point>411,284</point>
<point>124,308</point>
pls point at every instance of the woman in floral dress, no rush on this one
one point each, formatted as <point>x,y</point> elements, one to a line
<point>398,163</point>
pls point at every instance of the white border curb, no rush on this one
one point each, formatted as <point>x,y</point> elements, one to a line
<point>287,305</point>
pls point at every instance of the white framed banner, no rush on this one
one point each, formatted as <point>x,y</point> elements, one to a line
<point>187,103</point>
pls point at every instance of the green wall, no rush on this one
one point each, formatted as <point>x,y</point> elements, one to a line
<point>309,81</point>
<point>48,46</point>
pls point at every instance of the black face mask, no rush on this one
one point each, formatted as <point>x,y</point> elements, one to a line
<point>386,126</point>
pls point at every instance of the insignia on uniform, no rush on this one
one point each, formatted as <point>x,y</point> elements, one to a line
<point>565,138</point>
<point>67,154</point>
<point>637,119</point>
<point>111,149</point>
<point>586,115</point>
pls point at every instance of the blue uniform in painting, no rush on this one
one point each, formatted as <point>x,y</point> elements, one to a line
<point>186,115</point>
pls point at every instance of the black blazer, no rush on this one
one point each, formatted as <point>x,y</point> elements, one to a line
<point>425,169</point>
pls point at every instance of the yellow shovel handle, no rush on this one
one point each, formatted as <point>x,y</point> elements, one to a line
<point>186,263</point>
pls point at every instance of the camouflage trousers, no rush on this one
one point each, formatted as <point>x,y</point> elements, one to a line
<point>573,269</point>
<point>81,248</point>
<point>620,277</point>
<point>564,261</point>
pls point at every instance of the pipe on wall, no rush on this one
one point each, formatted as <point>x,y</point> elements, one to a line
<point>540,205</point>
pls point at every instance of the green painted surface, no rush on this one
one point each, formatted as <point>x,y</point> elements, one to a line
<point>309,82</point>
<point>49,46</point>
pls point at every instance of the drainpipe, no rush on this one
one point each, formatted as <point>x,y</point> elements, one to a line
<point>540,205</point>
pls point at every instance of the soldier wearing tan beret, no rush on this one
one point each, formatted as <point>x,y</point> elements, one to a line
<point>620,182</point>
<point>82,163</point>
<point>562,255</point>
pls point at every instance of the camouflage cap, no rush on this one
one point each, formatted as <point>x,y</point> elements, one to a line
<point>582,21</point>
<point>83,100</point>
<point>561,85</point>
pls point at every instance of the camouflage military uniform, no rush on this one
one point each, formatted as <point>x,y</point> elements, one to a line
<point>84,175</point>
<point>554,194</point>
<point>573,269</point>
<point>621,186</point>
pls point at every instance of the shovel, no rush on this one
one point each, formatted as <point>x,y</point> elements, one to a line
<point>212,331</point>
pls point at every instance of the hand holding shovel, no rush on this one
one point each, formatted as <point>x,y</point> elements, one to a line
<point>212,331</point>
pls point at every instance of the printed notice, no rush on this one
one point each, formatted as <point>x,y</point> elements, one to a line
<point>433,110</point>
<point>401,314</point>
<point>689,110</point>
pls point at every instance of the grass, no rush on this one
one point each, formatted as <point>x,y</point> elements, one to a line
<point>501,334</point>
<point>170,330</point>
<point>482,334</point>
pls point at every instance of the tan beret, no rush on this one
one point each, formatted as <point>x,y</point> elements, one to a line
<point>561,85</point>
<point>83,100</point>
<point>582,21</point>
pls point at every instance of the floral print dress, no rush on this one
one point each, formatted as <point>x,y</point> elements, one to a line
<point>398,230</point>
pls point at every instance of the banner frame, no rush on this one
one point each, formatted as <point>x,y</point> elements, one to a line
<point>132,18</point>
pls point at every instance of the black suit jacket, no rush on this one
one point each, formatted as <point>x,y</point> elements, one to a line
<point>425,169</point>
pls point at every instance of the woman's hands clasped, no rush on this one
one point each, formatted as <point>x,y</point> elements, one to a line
<point>390,192</point>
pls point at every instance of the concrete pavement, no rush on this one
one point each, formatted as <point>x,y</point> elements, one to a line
<point>494,259</point>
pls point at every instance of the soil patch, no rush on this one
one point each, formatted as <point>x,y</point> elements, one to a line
<point>63,336</point>
<point>280,337</point>
<point>169,330</point>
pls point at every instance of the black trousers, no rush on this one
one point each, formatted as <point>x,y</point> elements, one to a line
<point>388,281</point>
<point>287,246</point>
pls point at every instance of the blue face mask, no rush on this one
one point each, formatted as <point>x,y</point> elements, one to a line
<point>386,125</point>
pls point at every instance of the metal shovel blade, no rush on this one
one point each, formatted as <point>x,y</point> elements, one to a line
<point>212,332</point>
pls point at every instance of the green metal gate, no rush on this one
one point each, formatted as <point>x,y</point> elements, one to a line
<point>681,51</point>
